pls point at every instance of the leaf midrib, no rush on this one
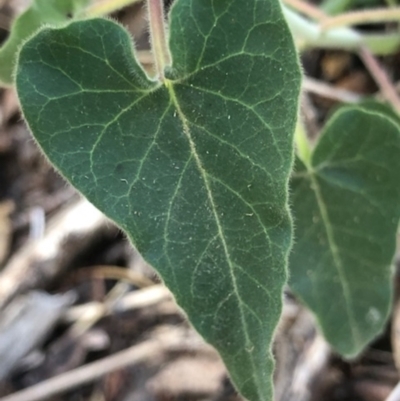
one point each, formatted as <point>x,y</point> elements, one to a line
<point>335,252</point>
<point>185,125</point>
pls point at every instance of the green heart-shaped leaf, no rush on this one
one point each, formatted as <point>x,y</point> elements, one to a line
<point>195,170</point>
<point>346,205</point>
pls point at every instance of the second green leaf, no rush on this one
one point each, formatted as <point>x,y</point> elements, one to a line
<point>346,204</point>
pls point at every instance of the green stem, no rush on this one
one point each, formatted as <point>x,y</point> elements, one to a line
<point>339,38</point>
<point>382,45</point>
<point>158,37</point>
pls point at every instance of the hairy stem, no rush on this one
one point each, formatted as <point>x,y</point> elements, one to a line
<point>158,36</point>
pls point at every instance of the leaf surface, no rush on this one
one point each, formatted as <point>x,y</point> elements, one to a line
<point>40,13</point>
<point>346,207</point>
<point>194,170</point>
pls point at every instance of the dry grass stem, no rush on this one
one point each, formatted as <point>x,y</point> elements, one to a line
<point>328,91</point>
<point>381,78</point>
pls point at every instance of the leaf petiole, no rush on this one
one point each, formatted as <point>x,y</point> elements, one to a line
<point>158,37</point>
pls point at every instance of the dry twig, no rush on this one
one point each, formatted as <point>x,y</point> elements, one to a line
<point>134,300</point>
<point>169,340</point>
<point>381,78</point>
<point>326,90</point>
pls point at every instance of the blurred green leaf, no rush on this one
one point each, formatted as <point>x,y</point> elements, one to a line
<point>346,207</point>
